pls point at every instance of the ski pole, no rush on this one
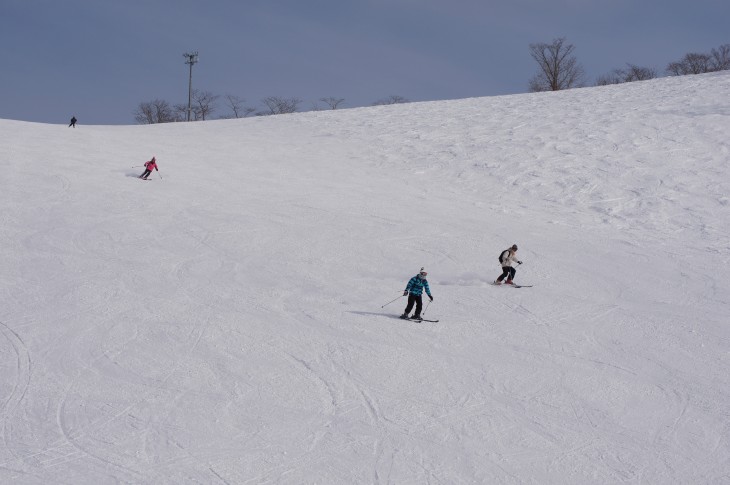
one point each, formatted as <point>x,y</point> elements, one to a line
<point>158,173</point>
<point>424,310</point>
<point>391,301</point>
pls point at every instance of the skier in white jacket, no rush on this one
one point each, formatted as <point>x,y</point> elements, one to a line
<point>506,258</point>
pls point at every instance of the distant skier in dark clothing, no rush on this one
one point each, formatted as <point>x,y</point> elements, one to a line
<point>414,290</point>
<point>506,258</point>
<point>148,167</point>
<point>73,122</point>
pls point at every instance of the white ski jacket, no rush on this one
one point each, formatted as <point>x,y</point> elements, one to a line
<point>507,258</point>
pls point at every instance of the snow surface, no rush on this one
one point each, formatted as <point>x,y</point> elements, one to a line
<point>224,322</point>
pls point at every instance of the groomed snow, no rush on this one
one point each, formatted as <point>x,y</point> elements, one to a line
<point>223,322</point>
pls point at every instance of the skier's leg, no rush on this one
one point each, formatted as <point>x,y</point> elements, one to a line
<point>511,276</point>
<point>419,305</point>
<point>505,272</point>
<point>411,301</point>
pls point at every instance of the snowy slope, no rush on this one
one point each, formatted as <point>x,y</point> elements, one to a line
<point>222,323</point>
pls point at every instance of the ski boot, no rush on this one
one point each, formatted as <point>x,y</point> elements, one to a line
<point>404,316</point>
<point>508,282</point>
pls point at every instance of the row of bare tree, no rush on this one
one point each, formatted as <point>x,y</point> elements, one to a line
<point>559,68</point>
<point>204,104</point>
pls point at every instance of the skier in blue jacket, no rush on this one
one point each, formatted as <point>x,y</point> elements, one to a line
<point>414,290</point>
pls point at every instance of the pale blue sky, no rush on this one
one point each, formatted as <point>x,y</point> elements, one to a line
<point>98,59</point>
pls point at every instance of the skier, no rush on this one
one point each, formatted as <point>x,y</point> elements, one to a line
<point>414,289</point>
<point>73,122</point>
<point>506,258</point>
<point>148,167</point>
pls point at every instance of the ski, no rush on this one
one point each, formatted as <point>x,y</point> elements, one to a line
<point>418,319</point>
<point>513,286</point>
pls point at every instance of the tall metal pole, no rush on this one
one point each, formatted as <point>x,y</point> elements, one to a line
<point>190,90</point>
<point>192,58</point>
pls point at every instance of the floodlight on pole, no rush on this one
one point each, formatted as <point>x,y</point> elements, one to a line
<point>191,58</point>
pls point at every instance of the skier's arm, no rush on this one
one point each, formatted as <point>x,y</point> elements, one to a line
<point>428,290</point>
<point>408,287</point>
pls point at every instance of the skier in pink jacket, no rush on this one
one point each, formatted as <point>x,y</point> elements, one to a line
<point>148,167</point>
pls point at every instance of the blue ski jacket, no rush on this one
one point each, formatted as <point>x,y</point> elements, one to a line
<point>416,285</point>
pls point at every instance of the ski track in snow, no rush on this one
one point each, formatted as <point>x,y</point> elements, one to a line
<point>230,329</point>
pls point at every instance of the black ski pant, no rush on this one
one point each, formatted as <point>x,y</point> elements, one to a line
<point>414,299</point>
<point>145,174</point>
<point>508,271</point>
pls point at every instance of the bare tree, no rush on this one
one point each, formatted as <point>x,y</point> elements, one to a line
<point>205,104</point>
<point>392,99</point>
<point>720,58</point>
<point>276,105</point>
<point>332,102</point>
<point>181,111</point>
<point>237,107</point>
<point>692,63</point>
<point>630,74</point>
<point>235,103</point>
<point>613,77</point>
<point>638,73</point>
<point>558,67</point>
<point>144,114</point>
<point>698,63</point>
<point>155,111</point>
<point>676,68</point>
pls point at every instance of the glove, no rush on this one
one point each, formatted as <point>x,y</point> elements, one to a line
<point>430,297</point>
<point>519,262</point>
<point>405,292</point>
